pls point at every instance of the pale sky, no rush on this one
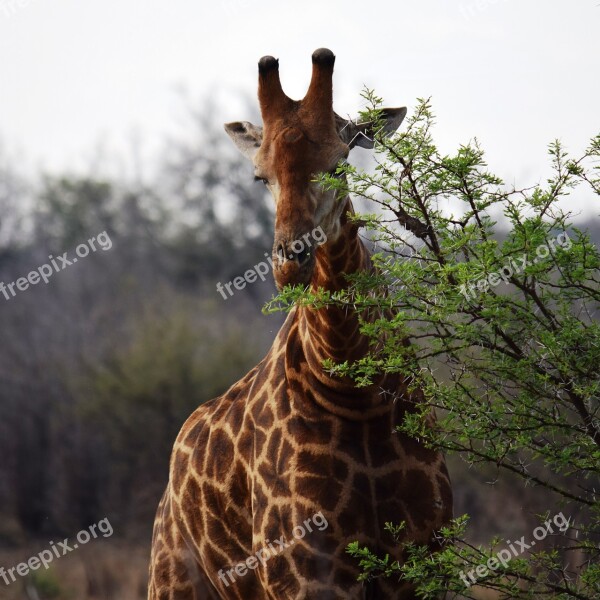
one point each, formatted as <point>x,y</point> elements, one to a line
<point>75,75</point>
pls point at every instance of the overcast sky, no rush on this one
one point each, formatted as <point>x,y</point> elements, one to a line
<point>75,75</point>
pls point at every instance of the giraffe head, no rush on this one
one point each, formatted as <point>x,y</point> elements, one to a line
<point>298,140</point>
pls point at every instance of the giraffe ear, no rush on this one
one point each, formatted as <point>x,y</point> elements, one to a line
<point>355,133</point>
<point>246,136</point>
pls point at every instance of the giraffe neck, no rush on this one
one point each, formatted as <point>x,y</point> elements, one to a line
<point>334,332</point>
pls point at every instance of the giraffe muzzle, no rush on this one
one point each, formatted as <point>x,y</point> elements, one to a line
<point>286,252</point>
<point>294,261</point>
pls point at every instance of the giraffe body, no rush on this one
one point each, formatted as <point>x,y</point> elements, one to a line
<point>288,441</point>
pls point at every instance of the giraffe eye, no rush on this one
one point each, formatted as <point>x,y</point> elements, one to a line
<point>265,181</point>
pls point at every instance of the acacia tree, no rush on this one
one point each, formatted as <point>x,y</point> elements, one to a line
<point>505,343</point>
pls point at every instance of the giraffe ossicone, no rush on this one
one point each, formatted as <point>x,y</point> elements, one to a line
<point>290,439</point>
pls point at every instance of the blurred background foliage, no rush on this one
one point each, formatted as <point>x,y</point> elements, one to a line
<point>100,367</point>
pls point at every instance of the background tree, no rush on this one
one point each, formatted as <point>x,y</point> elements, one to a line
<point>100,367</point>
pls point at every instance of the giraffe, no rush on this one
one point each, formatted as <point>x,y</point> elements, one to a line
<point>290,440</point>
